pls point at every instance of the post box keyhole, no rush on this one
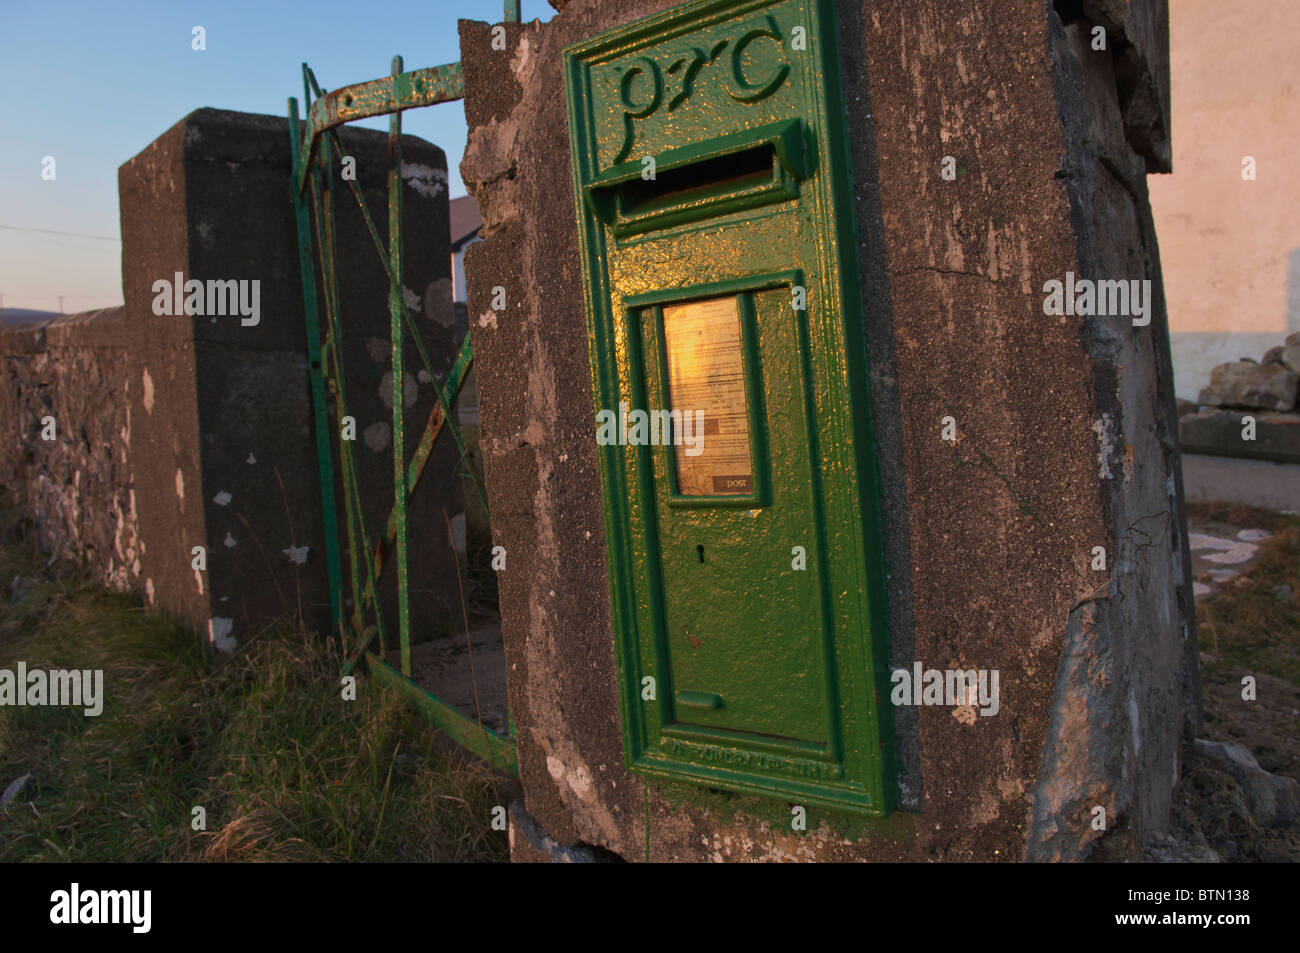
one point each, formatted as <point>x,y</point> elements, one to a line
<point>699,550</point>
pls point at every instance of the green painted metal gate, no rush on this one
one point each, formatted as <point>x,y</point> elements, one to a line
<point>312,145</point>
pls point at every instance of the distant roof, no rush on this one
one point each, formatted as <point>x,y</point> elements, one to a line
<point>25,316</point>
<point>465,220</point>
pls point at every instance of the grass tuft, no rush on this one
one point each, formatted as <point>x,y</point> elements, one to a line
<point>1245,625</point>
<point>285,769</point>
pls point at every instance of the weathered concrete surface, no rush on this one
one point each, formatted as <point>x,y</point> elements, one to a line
<point>536,438</point>
<point>1137,38</point>
<point>1221,432</point>
<point>1063,446</point>
<point>1131,660</point>
<point>78,487</point>
<point>229,453</point>
<point>1273,486</point>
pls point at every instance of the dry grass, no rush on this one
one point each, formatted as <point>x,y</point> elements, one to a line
<point>1245,629</point>
<point>285,769</point>
<point>1245,625</point>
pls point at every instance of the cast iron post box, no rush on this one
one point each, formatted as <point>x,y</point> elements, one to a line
<point>739,484</point>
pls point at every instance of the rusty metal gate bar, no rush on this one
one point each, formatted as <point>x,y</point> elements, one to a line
<point>312,145</point>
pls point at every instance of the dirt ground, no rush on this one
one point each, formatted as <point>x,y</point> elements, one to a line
<point>467,674</point>
<point>1246,613</point>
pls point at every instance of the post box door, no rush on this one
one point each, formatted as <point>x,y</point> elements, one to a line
<point>744,631</point>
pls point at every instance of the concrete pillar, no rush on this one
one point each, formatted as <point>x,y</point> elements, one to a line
<point>1066,441</point>
<point>224,448</point>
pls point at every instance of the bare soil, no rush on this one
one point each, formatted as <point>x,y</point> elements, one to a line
<point>1245,628</point>
<point>468,673</point>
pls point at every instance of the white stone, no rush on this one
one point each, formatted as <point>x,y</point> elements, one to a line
<point>219,630</point>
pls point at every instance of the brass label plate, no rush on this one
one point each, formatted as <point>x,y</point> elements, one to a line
<point>706,373</point>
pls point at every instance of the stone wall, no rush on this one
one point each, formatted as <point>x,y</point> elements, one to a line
<point>1250,408</point>
<point>1066,440</point>
<point>78,486</point>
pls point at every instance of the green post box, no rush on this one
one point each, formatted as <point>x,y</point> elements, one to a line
<point>739,485</point>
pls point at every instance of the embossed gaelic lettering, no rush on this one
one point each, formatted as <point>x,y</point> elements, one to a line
<point>751,760</point>
<point>751,92</point>
<point>641,66</point>
<point>642,88</point>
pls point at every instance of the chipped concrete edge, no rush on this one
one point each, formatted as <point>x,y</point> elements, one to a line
<point>530,842</point>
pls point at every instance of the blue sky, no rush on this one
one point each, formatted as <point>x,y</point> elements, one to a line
<point>92,82</point>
